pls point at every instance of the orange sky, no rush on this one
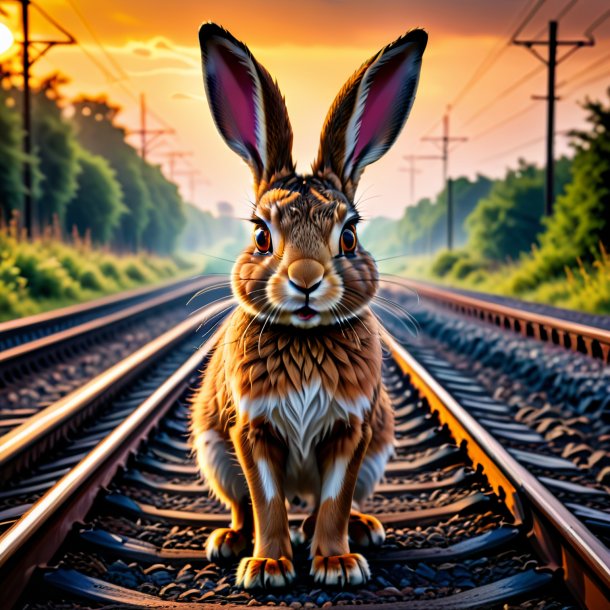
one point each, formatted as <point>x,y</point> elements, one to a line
<point>312,48</point>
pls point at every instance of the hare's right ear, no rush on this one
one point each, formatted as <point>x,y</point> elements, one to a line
<point>247,106</point>
<point>370,110</point>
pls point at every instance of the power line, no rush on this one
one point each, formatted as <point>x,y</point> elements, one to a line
<point>123,79</point>
<point>559,16</point>
<point>488,61</point>
<point>519,113</point>
<point>496,53</point>
<point>593,79</point>
<point>97,40</point>
<point>512,150</point>
<point>520,81</point>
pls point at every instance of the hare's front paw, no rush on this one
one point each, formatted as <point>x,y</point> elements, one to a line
<point>341,570</point>
<point>263,573</point>
<point>225,544</point>
<point>365,530</point>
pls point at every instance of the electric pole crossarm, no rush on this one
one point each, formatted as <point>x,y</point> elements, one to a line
<point>147,136</point>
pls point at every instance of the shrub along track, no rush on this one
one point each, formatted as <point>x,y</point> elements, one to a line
<point>467,525</point>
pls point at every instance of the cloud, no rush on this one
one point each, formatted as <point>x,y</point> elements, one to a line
<point>188,96</point>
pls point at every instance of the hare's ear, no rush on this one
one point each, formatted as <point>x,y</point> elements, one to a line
<point>246,104</point>
<point>370,110</point>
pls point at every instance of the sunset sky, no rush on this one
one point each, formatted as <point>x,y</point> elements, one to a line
<point>312,48</point>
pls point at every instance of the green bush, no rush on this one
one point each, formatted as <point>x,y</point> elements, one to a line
<point>38,275</point>
<point>444,262</point>
<point>464,267</point>
<point>137,272</point>
<point>110,269</point>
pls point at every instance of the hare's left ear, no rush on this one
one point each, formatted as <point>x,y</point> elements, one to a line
<point>370,110</point>
<point>247,106</point>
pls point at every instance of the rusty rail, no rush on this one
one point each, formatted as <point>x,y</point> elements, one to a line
<point>594,342</point>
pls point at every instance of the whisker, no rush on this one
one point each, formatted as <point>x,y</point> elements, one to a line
<point>218,258</point>
<point>388,310</point>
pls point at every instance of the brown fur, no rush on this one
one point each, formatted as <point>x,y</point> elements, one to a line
<point>292,400</point>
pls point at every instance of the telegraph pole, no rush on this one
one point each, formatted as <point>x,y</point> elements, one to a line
<point>28,61</point>
<point>445,140</point>
<point>412,170</point>
<point>172,156</point>
<point>27,121</point>
<point>192,176</point>
<point>147,136</point>
<point>552,62</point>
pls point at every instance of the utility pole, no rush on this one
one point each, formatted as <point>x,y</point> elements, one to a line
<point>172,156</point>
<point>445,140</point>
<point>147,136</point>
<point>552,62</point>
<point>27,122</point>
<point>193,180</point>
<point>412,170</point>
<point>28,61</point>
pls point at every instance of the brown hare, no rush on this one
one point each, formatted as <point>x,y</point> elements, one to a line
<point>292,403</point>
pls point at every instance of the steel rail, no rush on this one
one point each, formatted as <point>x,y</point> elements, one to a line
<point>40,431</point>
<point>35,350</point>
<point>37,535</point>
<point>49,320</point>
<point>558,535</point>
<point>572,335</point>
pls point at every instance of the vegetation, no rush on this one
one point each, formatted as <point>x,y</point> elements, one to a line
<point>510,248</point>
<point>423,227</point>
<point>47,273</point>
<point>85,173</point>
<point>508,220</point>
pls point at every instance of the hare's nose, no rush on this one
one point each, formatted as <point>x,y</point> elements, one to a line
<point>305,274</point>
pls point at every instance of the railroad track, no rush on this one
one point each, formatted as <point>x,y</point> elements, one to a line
<point>585,333</point>
<point>24,330</point>
<point>45,357</point>
<point>468,526</point>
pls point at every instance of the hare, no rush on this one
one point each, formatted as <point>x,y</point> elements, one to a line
<point>292,402</point>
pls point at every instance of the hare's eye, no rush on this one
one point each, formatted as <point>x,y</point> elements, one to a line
<point>349,241</point>
<point>262,239</point>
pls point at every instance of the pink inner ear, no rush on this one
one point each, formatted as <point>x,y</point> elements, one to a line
<point>379,107</point>
<point>236,96</point>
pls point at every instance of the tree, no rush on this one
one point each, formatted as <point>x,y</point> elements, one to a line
<point>56,149</point>
<point>166,216</point>
<point>11,156</point>
<point>97,132</point>
<point>581,220</point>
<point>423,226</point>
<point>97,205</point>
<point>509,220</point>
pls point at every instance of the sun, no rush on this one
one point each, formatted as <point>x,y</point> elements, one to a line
<point>6,38</point>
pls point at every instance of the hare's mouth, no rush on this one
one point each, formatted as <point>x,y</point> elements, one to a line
<point>305,313</point>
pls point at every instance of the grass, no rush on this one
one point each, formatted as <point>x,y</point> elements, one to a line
<point>582,287</point>
<point>47,273</point>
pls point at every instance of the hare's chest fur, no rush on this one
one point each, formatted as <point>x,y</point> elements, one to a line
<point>302,418</point>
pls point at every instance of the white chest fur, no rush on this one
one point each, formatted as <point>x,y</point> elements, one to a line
<point>302,419</point>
